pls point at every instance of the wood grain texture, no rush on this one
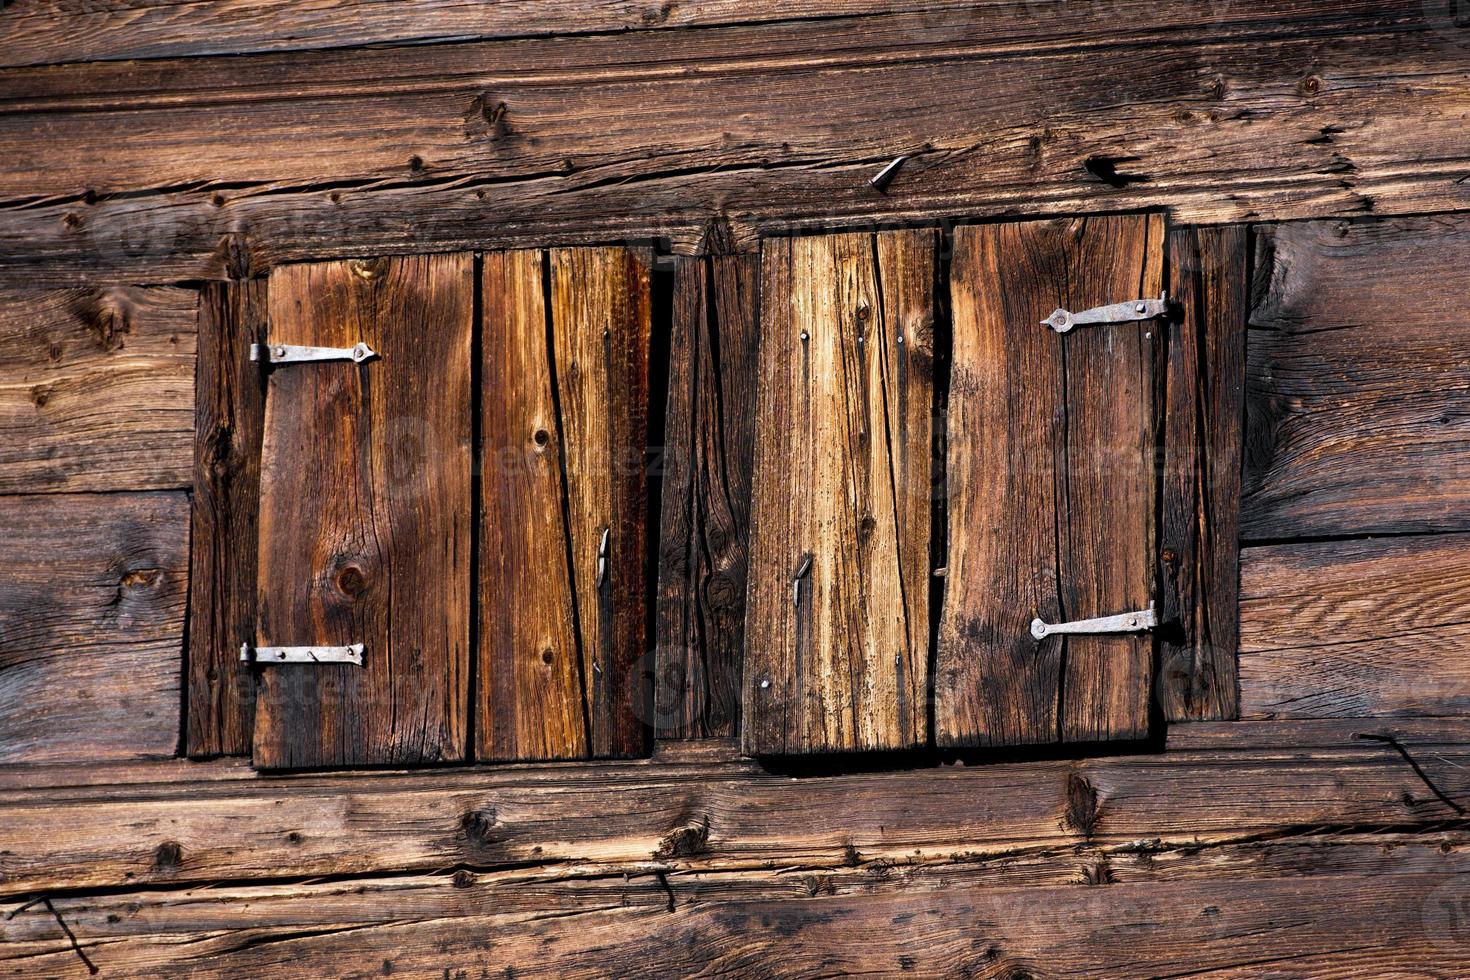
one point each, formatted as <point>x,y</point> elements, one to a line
<point>1356,628</point>
<point>709,442</point>
<point>217,167</point>
<point>836,654</point>
<point>1234,910</point>
<point>531,692</point>
<point>1359,358</point>
<point>1222,783</point>
<point>91,626</point>
<point>365,515</point>
<point>229,425</point>
<point>96,389</point>
<point>1051,483</point>
<point>601,327</point>
<point>1202,419</point>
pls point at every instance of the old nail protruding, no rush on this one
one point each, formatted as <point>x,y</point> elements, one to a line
<point>801,572</point>
<point>884,177</point>
<point>602,556</point>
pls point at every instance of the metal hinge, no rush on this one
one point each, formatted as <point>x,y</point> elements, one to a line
<point>302,655</point>
<point>1133,622</point>
<point>1137,309</point>
<point>295,354</point>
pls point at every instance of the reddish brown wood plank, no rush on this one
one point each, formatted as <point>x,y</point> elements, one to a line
<point>1203,416</point>
<point>601,331</point>
<point>96,389</point>
<point>92,601</point>
<point>1051,483</point>
<point>1359,357</point>
<point>1356,628</point>
<point>705,529</point>
<point>531,703</point>
<point>197,166</point>
<point>836,652</point>
<point>228,431</point>
<point>365,515</point>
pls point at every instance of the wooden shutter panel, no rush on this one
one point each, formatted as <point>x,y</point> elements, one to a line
<point>564,500</point>
<point>837,629</point>
<point>365,515</point>
<point>1051,483</point>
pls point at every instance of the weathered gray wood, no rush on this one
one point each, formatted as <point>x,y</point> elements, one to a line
<point>1356,628</point>
<point>96,389</point>
<point>1359,359</point>
<point>1202,417</point>
<point>226,171</point>
<point>91,627</point>
<point>365,515</point>
<point>229,423</point>
<point>709,441</point>
<point>1222,782</point>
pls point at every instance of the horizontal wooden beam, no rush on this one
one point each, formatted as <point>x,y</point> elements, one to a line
<point>1223,782</point>
<point>203,168</point>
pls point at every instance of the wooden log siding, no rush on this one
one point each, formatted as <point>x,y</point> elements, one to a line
<point>1051,483</point>
<point>96,389</point>
<point>1356,628</point>
<point>1359,362</point>
<point>365,515</point>
<point>194,168</point>
<point>564,504</point>
<point>837,638</point>
<point>709,440</point>
<point>1201,420</point>
<point>227,445</point>
<point>91,627</point>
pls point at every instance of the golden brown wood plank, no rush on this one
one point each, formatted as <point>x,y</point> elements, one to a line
<point>531,703</point>
<point>1222,783</point>
<point>1225,910</point>
<point>96,389</point>
<point>1281,111</point>
<point>705,528</point>
<point>1051,483</point>
<point>1202,420</point>
<point>1359,357</point>
<point>229,424</point>
<point>601,331</point>
<point>92,598</point>
<point>836,643</point>
<point>1353,628</point>
<point>365,515</point>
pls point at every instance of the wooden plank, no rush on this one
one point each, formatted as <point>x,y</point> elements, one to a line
<point>709,442</point>
<point>531,703</point>
<point>1051,483</point>
<point>1226,782</point>
<point>45,33</point>
<point>601,331</point>
<point>1202,419</point>
<point>96,389</point>
<point>1234,910</point>
<point>1356,628</point>
<point>365,515</point>
<point>228,432</point>
<point>197,170</point>
<point>91,625</point>
<point>1359,357</point>
<point>835,659</point>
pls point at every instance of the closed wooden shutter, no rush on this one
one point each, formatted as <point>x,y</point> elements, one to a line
<point>365,515</point>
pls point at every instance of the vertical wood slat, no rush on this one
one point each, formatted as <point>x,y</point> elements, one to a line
<point>364,517</point>
<point>1199,547</point>
<point>705,525</point>
<point>834,651</point>
<point>1051,483</point>
<point>565,339</point>
<point>229,420</point>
